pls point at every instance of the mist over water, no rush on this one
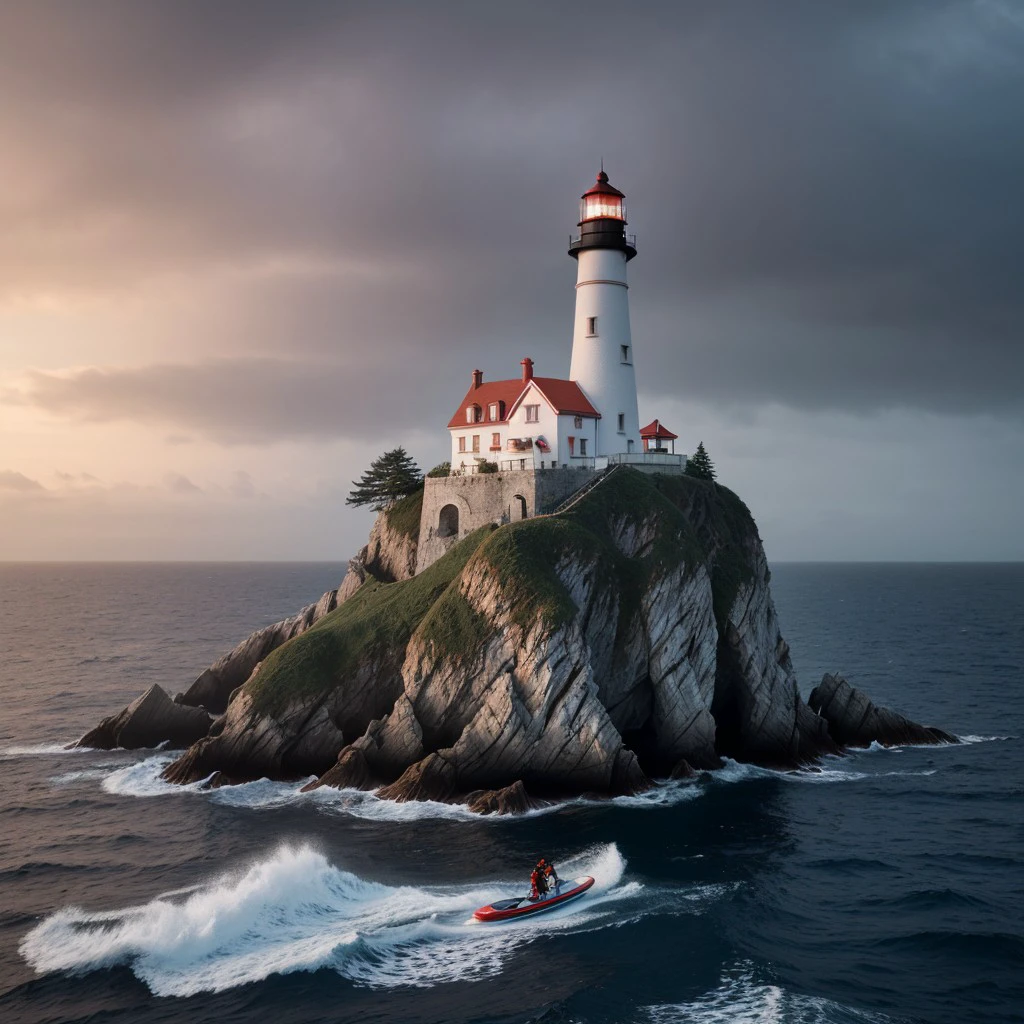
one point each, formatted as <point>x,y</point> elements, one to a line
<point>885,887</point>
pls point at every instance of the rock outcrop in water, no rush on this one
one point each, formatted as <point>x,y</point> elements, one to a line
<point>629,638</point>
<point>854,721</point>
<point>148,721</point>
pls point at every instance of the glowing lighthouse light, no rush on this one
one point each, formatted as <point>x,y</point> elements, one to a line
<point>602,200</point>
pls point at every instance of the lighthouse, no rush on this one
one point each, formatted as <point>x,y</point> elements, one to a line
<point>602,345</point>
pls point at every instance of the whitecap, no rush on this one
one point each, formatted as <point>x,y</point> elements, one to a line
<point>743,998</point>
<point>295,911</point>
<point>38,749</point>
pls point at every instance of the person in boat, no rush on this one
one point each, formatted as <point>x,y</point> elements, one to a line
<point>550,874</point>
<point>538,881</point>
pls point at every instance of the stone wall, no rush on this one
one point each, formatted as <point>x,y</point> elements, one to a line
<point>484,498</point>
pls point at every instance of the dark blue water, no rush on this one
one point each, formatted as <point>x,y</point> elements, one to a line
<point>889,887</point>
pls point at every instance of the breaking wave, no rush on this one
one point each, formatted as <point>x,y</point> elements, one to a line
<point>742,998</point>
<point>295,911</point>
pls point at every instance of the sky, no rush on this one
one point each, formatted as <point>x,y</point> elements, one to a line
<point>247,247</point>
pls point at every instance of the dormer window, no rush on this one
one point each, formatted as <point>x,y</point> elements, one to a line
<point>474,414</point>
<point>494,411</point>
<point>591,326</point>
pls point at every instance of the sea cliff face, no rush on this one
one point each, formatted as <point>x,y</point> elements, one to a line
<point>630,638</point>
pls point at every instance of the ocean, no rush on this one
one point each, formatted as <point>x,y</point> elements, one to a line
<point>888,886</point>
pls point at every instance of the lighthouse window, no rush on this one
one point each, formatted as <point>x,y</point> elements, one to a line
<point>591,326</point>
<point>622,422</point>
<point>532,413</point>
<point>625,353</point>
<point>583,446</point>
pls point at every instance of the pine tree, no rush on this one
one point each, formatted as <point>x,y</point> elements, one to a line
<point>390,477</point>
<point>700,465</point>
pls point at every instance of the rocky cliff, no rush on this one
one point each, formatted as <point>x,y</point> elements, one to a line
<point>389,555</point>
<point>629,638</point>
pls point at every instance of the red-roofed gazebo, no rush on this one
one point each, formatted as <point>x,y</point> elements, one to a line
<point>655,431</point>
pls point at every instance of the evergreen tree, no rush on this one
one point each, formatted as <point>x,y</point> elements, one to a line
<point>390,477</point>
<point>700,465</point>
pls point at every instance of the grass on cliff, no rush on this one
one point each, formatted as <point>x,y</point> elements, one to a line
<point>729,533</point>
<point>693,521</point>
<point>524,555</point>
<point>404,516</point>
<point>376,621</point>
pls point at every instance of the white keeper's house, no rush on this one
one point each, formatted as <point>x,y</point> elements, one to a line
<point>523,445</point>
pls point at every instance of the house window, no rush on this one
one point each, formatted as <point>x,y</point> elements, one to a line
<point>495,442</point>
<point>462,444</point>
<point>532,413</point>
<point>476,442</point>
<point>474,413</point>
<point>492,411</point>
<point>591,326</point>
<point>622,422</point>
<point>577,422</point>
<point>625,353</point>
<point>583,446</point>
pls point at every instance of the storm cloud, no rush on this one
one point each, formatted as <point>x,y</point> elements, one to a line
<point>245,246</point>
<point>827,197</point>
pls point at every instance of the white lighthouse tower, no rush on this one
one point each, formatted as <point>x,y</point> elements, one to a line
<point>602,346</point>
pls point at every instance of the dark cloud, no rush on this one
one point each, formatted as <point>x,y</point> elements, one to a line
<point>240,401</point>
<point>826,197</point>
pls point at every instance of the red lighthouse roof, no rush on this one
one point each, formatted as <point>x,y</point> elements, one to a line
<point>602,187</point>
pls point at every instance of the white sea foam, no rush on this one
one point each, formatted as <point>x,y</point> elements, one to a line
<point>741,998</point>
<point>38,749</point>
<point>142,779</point>
<point>981,739</point>
<point>295,911</point>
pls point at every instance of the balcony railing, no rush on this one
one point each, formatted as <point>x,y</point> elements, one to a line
<point>575,241</point>
<point>646,459</point>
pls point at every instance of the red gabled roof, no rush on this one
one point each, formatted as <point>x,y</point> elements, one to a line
<point>565,396</point>
<point>506,391</point>
<point>656,430</point>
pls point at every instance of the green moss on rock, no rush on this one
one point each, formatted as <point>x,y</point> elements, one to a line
<point>376,622</point>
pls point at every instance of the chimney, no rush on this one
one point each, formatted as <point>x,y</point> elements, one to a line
<point>478,378</point>
<point>527,365</point>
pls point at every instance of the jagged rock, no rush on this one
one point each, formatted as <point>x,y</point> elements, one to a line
<point>352,771</point>
<point>854,721</point>
<point>433,778</point>
<point>390,553</point>
<point>388,556</point>
<point>151,719</point>
<point>511,800</point>
<point>682,770</point>
<point>214,687</point>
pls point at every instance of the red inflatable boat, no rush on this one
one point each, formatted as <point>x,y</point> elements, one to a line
<point>523,906</point>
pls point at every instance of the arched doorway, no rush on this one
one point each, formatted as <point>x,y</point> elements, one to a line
<point>518,507</point>
<point>448,521</point>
